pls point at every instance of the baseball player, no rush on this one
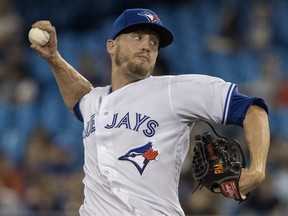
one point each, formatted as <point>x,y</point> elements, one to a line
<point>136,130</point>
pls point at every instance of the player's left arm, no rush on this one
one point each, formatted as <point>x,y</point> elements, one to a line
<point>257,134</point>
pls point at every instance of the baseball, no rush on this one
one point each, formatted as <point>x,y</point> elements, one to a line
<point>38,36</point>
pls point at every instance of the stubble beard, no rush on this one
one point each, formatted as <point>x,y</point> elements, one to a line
<point>135,70</point>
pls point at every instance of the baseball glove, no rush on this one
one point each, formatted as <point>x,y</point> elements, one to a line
<point>217,165</point>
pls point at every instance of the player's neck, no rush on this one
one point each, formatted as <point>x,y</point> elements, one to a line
<point>122,78</point>
<point>118,82</point>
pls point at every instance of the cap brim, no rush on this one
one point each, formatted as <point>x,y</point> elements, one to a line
<point>166,37</point>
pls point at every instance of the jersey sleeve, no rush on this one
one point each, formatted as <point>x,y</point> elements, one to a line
<point>200,97</point>
<point>210,98</point>
<point>77,111</point>
<point>88,104</point>
<point>239,105</point>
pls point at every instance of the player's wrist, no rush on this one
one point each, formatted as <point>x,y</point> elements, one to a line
<point>55,60</point>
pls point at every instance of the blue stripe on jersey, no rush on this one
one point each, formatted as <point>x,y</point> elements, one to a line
<point>227,102</point>
<point>239,105</point>
<point>77,111</point>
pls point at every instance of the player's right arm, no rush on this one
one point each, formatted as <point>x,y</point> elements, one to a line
<point>73,86</point>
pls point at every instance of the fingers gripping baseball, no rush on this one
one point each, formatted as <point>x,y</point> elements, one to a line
<point>49,50</point>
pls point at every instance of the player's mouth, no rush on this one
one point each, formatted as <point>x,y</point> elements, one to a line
<point>143,58</point>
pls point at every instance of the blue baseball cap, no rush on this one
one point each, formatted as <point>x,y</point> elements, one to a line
<point>140,17</point>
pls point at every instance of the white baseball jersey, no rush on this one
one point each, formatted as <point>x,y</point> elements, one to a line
<point>137,137</point>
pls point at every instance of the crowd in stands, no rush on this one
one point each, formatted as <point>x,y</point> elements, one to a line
<point>41,151</point>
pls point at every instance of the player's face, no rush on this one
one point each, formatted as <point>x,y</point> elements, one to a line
<point>136,52</point>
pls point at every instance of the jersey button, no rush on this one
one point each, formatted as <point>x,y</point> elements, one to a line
<point>106,172</point>
<point>117,189</point>
<point>103,148</point>
<point>105,113</point>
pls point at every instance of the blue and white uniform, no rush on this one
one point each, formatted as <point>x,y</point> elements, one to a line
<point>137,137</point>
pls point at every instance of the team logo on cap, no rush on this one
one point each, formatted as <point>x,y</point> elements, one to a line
<point>150,16</point>
<point>140,156</point>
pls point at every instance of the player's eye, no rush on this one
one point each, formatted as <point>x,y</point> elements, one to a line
<point>137,36</point>
<point>154,42</point>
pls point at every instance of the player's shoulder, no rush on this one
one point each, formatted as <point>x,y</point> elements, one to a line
<point>191,78</point>
<point>101,90</point>
<point>185,78</point>
<point>97,92</point>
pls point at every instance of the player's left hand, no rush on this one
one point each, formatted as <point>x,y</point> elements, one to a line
<point>217,164</point>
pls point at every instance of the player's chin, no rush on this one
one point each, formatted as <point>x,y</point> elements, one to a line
<point>140,71</point>
<point>140,75</point>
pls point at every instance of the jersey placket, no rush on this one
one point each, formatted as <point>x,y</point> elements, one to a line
<point>106,154</point>
<point>103,142</point>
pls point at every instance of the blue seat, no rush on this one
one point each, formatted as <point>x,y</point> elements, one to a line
<point>51,111</point>
<point>247,66</point>
<point>6,115</point>
<point>40,70</point>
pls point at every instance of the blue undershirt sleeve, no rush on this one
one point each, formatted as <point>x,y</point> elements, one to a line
<point>239,105</point>
<point>77,111</point>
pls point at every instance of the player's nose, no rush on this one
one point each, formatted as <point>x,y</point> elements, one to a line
<point>145,45</point>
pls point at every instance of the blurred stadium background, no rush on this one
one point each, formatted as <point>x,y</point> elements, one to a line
<point>41,152</point>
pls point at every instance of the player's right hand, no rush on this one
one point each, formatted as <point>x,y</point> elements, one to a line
<point>48,52</point>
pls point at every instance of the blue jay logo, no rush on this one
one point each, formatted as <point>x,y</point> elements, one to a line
<point>151,17</point>
<point>140,156</point>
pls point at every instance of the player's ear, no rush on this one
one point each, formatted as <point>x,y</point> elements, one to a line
<point>110,46</point>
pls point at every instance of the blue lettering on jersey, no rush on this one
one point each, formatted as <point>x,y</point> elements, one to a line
<point>139,121</point>
<point>151,125</point>
<point>90,127</point>
<point>125,122</point>
<point>113,122</point>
